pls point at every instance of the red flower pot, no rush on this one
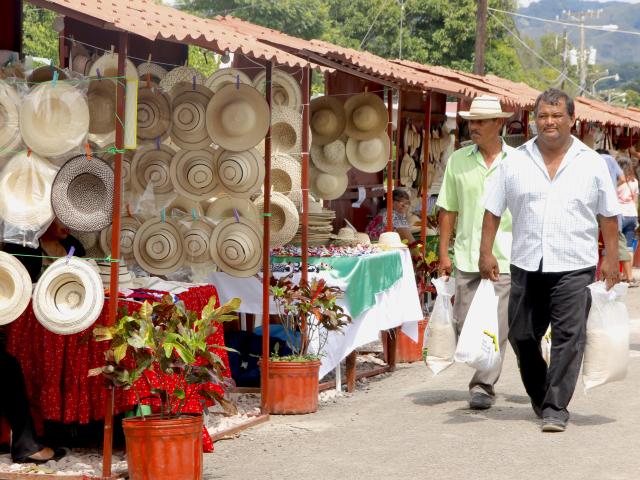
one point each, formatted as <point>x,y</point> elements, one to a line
<point>293,387</point>
<point>408,351</point>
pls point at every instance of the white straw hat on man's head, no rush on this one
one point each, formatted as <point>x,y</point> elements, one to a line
<point>484,107</point>
<point>15,288</point>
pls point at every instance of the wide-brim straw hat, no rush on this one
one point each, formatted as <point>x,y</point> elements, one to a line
<point>226,76</point>
<point>107,65</point>
<point>286,131</point>
<point>101,97</point>
<point>151,165</point>
<point>484,107</point>
<point>240,174</point>
<point>15,288</point>
<point>158,246</point>
<point>82,194</point>
<point>367,116</point>
<point>45,74</point>
<point>154,114</point>
<point>194,173</point>
<point>237,118</point>
<point>331,157</point>
<point>346,236</point>
<point>362,239</point>
<point>25,191</point>
<point>196,240</point>
<point>236,247</point>
<point>390,240</point>
<point>189,118</point>
<point>285,89</point>
<point>69,296</point>
<point>328,120</point>
<point>79,58</point>
<point>54,119</point>
<point>327,186</point>
<point>283,219</point>
<point>181,74</point>
<point>369,155</point>
<point>408,171</point>
<point>9,120</point>
<point>155,72</point>
<point>286,175</point>
<point>226,206</point>
<point>128,228</point>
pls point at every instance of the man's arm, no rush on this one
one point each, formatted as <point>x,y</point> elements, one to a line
<point>609,270</point>
<point>488,264</point>
<point>447,220</point>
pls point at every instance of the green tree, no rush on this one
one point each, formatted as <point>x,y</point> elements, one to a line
<point>39,37</point>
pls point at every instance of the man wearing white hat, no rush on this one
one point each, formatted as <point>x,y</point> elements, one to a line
<point>460,201</point>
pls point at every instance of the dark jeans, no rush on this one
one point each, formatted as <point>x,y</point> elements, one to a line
<point>536,300</point>
<point>14,406</point>
<point>629,225</point>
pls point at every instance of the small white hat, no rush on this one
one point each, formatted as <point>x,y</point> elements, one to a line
<point>9,120</point>
<point>151,165</point>
<point>367,116</point>
<point>223,208</point>
<point>283,220</point>
<point>240,173</point>
<point>128,228</point>
<point>15,288</point>
<point>196,238</point>
<point>236,247</point>
<point>328,119</point>
<point>369,155</point>
<point>101,97</point>
<point>390,240</point>
<point>155,71</point>
<point>331,158</point>
<point>188,127</point>
<point>484,107</point>
<point>194,173</point>
<point>285,89</point>
<point>158,246</point>
<point>107,65</point>
<point>226,76</point>
<point>181,74</point>
<point>154,114</point>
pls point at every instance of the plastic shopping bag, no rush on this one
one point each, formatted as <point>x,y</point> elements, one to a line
<point>545,346</point>
<point>606,354</point>
<point>440,335</point>
<point>478,345</point>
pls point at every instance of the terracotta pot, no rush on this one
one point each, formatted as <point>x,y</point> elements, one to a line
<point>408,351</point>
<point>161,448</point>
<point>293,387</point>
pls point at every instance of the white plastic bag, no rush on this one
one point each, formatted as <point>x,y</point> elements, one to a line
<point>606,355</point>
<point>545,346</point>
<point>440,336</point>
<point>478,345</point>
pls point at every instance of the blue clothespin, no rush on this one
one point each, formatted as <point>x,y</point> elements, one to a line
<point>238,81</point>
<point>72,250</point>
<point>235,214</point>
<point>194,82</point>
<point>54,80</point>
<point>163,214</point>
<point>194,213</point>
<point>99,74</point>
<point>158,143</point>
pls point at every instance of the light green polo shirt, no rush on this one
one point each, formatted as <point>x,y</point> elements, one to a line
<point>462,191</point>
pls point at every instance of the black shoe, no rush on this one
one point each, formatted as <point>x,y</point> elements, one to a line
<point>537,410</point>
<point>550,424</point>
<point>480,401</point>
<point>58,453</point>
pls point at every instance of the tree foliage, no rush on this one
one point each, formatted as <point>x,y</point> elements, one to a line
<point>39,37</point>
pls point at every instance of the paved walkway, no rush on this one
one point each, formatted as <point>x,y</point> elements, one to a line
<point>411,425</point>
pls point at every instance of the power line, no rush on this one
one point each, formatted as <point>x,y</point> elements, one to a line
<point>372,24</point>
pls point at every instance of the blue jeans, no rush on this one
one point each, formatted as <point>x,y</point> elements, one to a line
<point>629,225</point>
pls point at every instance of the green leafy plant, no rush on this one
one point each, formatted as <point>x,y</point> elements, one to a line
<point>166,338</point>
<point>308,311</point>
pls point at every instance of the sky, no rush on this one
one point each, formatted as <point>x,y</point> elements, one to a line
<point>524,3</point>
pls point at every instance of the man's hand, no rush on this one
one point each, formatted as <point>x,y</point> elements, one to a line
<point>609,271</point>
<point>488,265</point>
<point>444,266</point>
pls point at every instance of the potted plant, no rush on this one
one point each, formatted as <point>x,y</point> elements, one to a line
<point>308,312</point>
<point>164,340</point>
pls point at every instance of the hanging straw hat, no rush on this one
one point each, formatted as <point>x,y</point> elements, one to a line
<point>226,76</point>
<point>128,228</point>
<point>101,97</point>
<point>390,240</point>
<point>154,114</point>
<point>107,66</point>
<point>369,155</point>
<point>15,288</point>
<point>125,277</point>
<point>79,58</point>
<point>367,116</point>
<point>286,131</point>
<point>194,174</point>
<point>196,239</point>
<point>237,118</point>
<point>152,166</point>
<point>327,186</point>
<point>240,173</point>
<point>285,89</point>
<point>189,129</point>
<point>484,107</point>
<point>9,120</point>
<point>25,191</point>
<point>45,74</point>
<point>158,246</point>
<point>346,236</point>
<point>286,175</point>
<point>224,206</point>
<point>283,220</point>
<point>328,120</point>
<point>362,239</point>
<point>181,74</point>
<point>408,172</point>
<point>69,296</point>
<point>331,158</point>
<point>54,119</point>
<point>236,247</point>
<point>82,194</point>
<point>155,72</point>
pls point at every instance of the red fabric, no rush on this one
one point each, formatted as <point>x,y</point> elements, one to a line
<point>55,366</point>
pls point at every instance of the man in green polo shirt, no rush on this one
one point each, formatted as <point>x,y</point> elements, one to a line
<point>468,171</point>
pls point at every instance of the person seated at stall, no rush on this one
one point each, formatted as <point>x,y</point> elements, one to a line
<point>401,205</point>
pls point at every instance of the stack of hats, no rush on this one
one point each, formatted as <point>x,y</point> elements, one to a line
<point>125,277</point>
<point>320,225</point>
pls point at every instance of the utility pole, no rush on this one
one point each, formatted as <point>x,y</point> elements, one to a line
<point>401,25</point>
<point>481,36</point>
<point>565,54</point>
<point>583,58</point>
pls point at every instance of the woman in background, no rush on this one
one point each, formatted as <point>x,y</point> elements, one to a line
<point>401,205</point>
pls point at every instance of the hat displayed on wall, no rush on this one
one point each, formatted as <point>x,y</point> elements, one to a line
<point>154,114</point>
<point>331,158</point>
<point>181,74</point>
<point>196,238</point>
<point>369,155</point>
<point>151,165</point>
<point>328,119</point>
<point>408,171</point>
<point>45,74</point>
<point>9,119</point>
<point>182,207</point>
<point>15,288</point>
<point>154,71</point>
<point>158,246</point>
<point>283,220</point>
<point>194,173</point>
<point>125,277</point>
<point>367,116</point>
<point>79,58</point>
<point>82,194</point>
<point>286,174</point>
<point>286,131</point>
<point>237,118</point>
<point>226,206</point>
<point>54,119</point>
<point>285,89</point>
<point>25,191</point>
<point>101,97</point>
<point>484,107</point>
<point>107,66</point>
<point>128,228</point>
<point>240,173</point>
<point>189,129</point>
<point>69,296</point>
<point>236,247</point>
<point>390,240</point>
<point>327,186</point>
<point>226,76</point>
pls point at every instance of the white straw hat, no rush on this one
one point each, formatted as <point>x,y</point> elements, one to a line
<point>15,288</point>
<point>369,155</point>
<point>107,65</point>
<point>283,220</point>
<point>181,74</point>
<point>408,171</point>
<point>9,120</point>
<point>237,118</point>
<point>69,296</point>
<point>189,129</point>
<point>236,247</point>
<point>328,119</point>
<point>45,74</point>
<point>194,173</point>
<point>363,238</point>
<point>101,98</point>
<point>390,240</point>
<point>286,131</point>
<point>240,173</point>
<point>367,116</point>
<point>285,89</point>
<point>154,114</point>
<point>25,191</point>
<point>196,239</point>
<point>484,107</point>
<point>327,186</point>
<point>152,166</point>
<point>331,158</point>
<point>128,228</point>
<point>54,120</point>
<point>158,246</point>
<point>286,175</point>
<point>226,76</point>
<point>155,72</point>
<point>223,207</point>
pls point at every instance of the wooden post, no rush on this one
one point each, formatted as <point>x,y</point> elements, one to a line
<point>400,149</point>
<point>390,162</point>
<point>350,364</point>
<point>481,36</point>
<point>425,170</point>
<point>304,275</point>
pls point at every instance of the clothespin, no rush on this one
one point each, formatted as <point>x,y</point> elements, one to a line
<point>149,58</point>
<point>29,152</point>
<point>163,215</point>
<point>148,80</point>
<point>158,143</point>
<point>87,149</point>
<point>54,80</point>
<point>193,85</point>
<point>72,250</point>
<point>235,214</point>
<point>99,74</point>
<point>128,207</point>
<point>194,214</point>
<point>112,50</point>
<point>185,61</point>
<point>238,81</point>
